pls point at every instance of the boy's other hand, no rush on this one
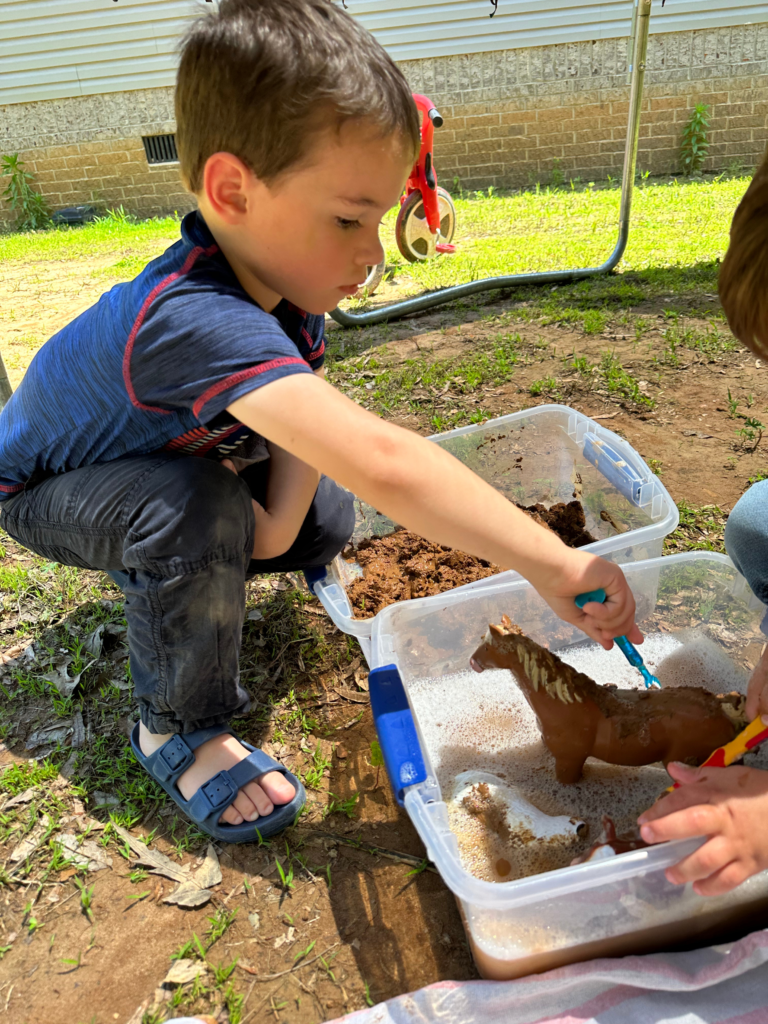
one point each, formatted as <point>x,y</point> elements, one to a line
<point>730,807</point>
<point>581,573</point>
<point>757,691</point>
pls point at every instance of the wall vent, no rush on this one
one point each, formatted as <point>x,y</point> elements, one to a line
<point>160,149</point>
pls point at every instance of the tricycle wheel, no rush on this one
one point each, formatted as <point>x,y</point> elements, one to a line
<point>372,281</point>
<point>414,239</point>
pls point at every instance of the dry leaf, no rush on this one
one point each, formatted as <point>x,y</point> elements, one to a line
<point>354,695</point>
<point>183,971</point>
<point>93,641</point>
<point>85,853</point>
<point>209,873</point>
<point>187,894</point>
<point>30,843</point>
<point>153,859</point>
<point>22,798</point>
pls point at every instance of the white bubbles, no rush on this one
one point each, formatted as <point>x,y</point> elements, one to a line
<point>482,722</point>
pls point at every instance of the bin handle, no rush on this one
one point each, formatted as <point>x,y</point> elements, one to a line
<point>617,466</point>
<point>393,718</point>
<point>315,574</point>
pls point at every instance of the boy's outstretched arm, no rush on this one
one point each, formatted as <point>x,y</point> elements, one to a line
<point>730,807</point>
<point>425,489</point>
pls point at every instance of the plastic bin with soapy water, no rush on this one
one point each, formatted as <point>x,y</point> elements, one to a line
<point>438,722</point>
<point>548,454</point>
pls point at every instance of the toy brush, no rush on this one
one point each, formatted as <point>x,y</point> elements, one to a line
<point>754,734</point>
<point>630,652</point>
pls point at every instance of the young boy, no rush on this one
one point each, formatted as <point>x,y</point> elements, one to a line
<point>130,444</point>
<point>730,805</point>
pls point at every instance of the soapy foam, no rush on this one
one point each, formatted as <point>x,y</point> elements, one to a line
<point>481,721</point>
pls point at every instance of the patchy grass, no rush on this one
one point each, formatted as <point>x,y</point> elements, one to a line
<point>702,528</point>
<point>679,223</point>
<point>143,240</point>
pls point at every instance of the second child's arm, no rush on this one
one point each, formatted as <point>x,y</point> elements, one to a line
<point>425,489</point>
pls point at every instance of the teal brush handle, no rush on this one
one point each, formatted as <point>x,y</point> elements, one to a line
<point>630,652</point>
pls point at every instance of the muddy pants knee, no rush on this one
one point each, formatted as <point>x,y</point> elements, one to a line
<point>176,534</point>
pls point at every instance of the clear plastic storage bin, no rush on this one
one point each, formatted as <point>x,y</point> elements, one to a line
<point>606,908</point>
<point>548,454</point>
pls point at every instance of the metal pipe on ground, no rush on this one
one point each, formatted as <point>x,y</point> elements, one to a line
<point>438,298</point>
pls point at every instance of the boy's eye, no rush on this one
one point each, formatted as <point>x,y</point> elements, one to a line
<point>345,224</point>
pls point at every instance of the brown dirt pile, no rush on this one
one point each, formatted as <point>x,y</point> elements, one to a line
<point>566,520</point>
<point>404,566</point>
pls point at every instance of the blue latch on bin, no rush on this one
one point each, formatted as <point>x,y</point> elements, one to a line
<point>613,466</point>
<point>315,574</point>
<point>399,740</point>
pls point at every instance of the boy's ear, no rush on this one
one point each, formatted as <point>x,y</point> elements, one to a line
<point>226,184</point>
<point>743,282</point>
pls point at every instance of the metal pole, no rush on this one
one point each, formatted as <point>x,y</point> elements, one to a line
<point>443,295</point>
<point>5,385</point>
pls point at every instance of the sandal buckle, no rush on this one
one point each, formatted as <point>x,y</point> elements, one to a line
<point>173,757</point>
<point>219,791</point>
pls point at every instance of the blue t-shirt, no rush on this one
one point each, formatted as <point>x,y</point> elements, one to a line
<point>153,366</point>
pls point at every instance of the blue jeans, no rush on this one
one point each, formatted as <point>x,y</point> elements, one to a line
<point>176,534</point>
<point>746,539</point>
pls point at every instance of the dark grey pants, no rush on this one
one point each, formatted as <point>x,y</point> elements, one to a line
<point>177,534</point>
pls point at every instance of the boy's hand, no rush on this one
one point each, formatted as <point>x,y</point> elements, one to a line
<point>757,691</point>
<point>730,806</point>
<point>580,573</point>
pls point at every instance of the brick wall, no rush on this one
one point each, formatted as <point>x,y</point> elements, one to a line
<point>511,118</point>
<point>88,149</point>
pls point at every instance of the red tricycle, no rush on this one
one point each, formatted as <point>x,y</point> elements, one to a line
<point>427,217</point>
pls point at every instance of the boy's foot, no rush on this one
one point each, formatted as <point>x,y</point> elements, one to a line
<point>254,800</point>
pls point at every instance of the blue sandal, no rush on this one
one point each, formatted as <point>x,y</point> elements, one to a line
<point>206,806</point>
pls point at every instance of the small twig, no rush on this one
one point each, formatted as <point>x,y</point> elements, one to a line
<point>377,851</point>
<point>605,416</point>
<point>290,970</point>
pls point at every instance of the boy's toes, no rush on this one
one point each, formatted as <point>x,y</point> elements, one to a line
<point>277,788</point>
<point>258,798</point>
<point>231,816</point>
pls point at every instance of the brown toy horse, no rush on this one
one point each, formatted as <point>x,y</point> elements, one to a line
<point>579,719</point>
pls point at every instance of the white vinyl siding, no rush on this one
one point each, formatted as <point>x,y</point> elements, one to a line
<point>51,49</point>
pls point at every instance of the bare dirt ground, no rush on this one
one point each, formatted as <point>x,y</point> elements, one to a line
<point>342,911</point>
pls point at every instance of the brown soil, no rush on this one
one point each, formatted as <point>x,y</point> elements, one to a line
<point>566,520</point>
<point>404,566</point>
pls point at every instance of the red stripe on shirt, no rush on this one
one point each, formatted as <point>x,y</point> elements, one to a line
<point>316,355</point>
<point>11,488</point>
<point>191,435</point>
<point>236,378</point>
<point>189,262</point>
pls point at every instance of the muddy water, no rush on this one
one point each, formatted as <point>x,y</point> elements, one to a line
<point>720,925</point>
<point>473,721</point>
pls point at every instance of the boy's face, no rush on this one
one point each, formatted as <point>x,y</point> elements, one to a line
<point>310,235</point>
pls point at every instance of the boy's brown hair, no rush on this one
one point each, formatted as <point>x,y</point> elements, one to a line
<point>259,78</point>
<point>743,281</point>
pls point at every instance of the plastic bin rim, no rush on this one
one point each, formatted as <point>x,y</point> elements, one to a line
<point>364,628</point>
<point>536,888</point>
<point>534,410</point>
<point>380,621</point>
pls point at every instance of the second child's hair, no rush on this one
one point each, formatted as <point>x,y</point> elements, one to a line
<point>743,281</point>
<point>259,78</point>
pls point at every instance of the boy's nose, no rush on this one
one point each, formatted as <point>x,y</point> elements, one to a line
<point>371,254</point>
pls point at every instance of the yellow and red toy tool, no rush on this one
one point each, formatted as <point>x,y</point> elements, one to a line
<point>754,734</point>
